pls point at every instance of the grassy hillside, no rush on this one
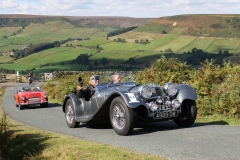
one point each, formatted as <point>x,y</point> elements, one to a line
<point>197,25</point>
<point>174,36</point>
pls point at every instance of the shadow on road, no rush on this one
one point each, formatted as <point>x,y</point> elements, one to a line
<point>146,128</point>
<point>52,105</point>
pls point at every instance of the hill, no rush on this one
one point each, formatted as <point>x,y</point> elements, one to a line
<point>212,25</point>
<point>190,38</point>
<point>84,21</point>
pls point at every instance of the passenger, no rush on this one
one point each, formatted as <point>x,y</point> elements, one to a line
<point>116,78</point>
<point>90,90</point>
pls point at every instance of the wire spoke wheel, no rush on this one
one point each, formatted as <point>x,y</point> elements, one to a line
<point>119,119</point>
<point>122,117</point>
<point>69,114</point>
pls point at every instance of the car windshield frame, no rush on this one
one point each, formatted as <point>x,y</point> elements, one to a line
<point>105,81</point>
<point>108,78</point>
<point>30,89</point>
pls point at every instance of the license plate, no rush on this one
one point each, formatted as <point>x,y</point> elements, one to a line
<point>34,105</point>
<point>162,115</point>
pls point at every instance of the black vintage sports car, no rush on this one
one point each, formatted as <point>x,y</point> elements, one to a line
<point>126,103</point>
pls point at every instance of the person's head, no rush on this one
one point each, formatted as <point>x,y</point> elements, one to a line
<point>94,80</point>
<point>116,78</point>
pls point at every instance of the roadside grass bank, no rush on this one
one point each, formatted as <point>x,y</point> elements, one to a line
<point>19,141</point>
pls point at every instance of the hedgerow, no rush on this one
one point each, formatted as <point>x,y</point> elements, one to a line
<point>217,86</point>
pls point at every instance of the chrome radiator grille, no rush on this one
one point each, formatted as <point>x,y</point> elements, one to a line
<point>34,100</point>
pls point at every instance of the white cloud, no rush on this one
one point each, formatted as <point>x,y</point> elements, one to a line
<point>130,8</point>
<point>8,4</point>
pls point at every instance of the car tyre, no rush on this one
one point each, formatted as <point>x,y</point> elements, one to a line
<point>44,105</point>
<point>188,115</point>
<point>70,115</point>
<point>122,117</point>
<point>21,107</point>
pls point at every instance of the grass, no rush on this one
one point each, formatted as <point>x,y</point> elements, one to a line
<point>199,43</point>
<point>90,43</point>
<point>56,31</point>
<point>55,56</point>
<point>177,39</point>
<point>220,120</point>
<point>7,31</point>
<point>224,44</point>
<point>177,43</point>
<point>31,143</point>
<point>5,59</point>
<point>133,35</point>
<point>118,46</point>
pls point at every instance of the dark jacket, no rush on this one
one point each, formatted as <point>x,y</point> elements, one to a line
<point>86,92</point>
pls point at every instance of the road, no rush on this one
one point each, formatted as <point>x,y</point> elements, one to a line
<point>201,141</point>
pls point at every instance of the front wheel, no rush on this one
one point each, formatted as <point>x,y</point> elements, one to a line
<point>69,115</point>
<point>188,114</point>
<point>21,107</point>
<point>122,117</point>
<point>44,105</point>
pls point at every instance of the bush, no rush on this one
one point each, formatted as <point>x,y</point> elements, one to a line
<point>217,86</point>
<point>4,137</point>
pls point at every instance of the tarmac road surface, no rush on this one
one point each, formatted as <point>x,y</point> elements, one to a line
<point>200,142</point>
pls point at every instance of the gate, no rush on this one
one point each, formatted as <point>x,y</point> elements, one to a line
<point>48,76</point>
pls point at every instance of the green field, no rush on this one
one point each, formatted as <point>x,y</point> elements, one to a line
<point>133,35</point>
<point>224,44</point>
<point>199,43</point>
<point>5,59</point>
<point>89,43</point>
<point>118,46</point>
<point>157,42</point>
<point>7,31</point>
<point>176,44</point>
<point>55,55</point>
<point>181,36</point>
<point>56,31</point>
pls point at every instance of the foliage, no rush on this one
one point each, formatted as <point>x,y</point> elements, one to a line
<point>120,31</point>
<point>4,137</point>
<point>164,70</point>
<point>217,86</point>
<point>82,59</point>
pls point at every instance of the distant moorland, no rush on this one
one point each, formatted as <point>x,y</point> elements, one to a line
<point>52,43</point>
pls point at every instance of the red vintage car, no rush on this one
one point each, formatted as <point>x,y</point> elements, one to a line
<point>30,96</point>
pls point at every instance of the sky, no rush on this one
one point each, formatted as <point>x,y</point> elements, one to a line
<point>125,8</point>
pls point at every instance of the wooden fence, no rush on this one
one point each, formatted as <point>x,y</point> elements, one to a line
<point>10,78</point>
<point>4,78</point>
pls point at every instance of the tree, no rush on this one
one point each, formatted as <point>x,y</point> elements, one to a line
<point>131,61</point>
<point>95,63</point>
<point>82,59</point>
<point>104,61</point>
<point>136,41</point>
<point>142,41</point>
<point>164,32</point>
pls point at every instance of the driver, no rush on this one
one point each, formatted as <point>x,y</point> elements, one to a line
<point>116,78</point>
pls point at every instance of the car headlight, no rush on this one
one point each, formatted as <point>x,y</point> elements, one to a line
<point>170,89</point>
<point>44,96</point>
<point>23,98</point>
<point>153,106</point>
<point>145,91</point>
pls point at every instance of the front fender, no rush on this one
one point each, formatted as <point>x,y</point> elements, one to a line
<point>77,104</point>
<point>132,100</point>
<point>186,92</point>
